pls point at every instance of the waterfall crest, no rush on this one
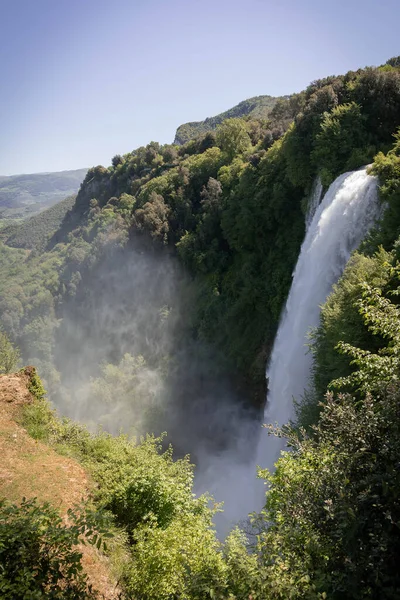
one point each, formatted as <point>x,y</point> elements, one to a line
<point>339,224</point>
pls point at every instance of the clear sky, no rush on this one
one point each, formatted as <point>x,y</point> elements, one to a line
<point>83,80</point>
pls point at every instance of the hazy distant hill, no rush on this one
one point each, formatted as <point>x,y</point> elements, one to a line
<point>258,107</point>
<point>36,231</point>
<point>22,196</point>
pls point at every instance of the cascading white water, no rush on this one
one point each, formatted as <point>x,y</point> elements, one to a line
<point>314,201</point>
<point>334,229</point>
<point>339,224</point>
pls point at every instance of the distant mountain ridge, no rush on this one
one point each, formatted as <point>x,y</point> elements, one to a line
<point>258,107</point>
<point>23,196</point>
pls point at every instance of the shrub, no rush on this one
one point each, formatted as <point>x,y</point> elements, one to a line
<point>38,552</point>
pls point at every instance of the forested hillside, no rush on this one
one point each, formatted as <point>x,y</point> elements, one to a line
<point>35,231</point>
<point>22,196</point>
<point>154,307</point>
<point>258,107</point>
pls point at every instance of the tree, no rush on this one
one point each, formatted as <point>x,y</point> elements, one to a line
<point>232,137</point>
<point>387,168</point>
<point>153,217</point>
<point>117,160</point>
<point>332,510</point>
<point>377,91</point>
<point>183,560</point>
<point>394,62</point>
<point>341,136</point>
<point>382,318</point>
<point>210,195</point>
<point>169,153</point>
<point>9,355</point>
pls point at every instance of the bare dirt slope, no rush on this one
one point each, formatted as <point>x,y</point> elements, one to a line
<point>30,468</point>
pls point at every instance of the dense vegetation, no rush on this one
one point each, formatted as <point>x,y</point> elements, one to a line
<point>230,205</point>
<point>258,107</point>
<point>373,267</point>
<point>23,196</point>
<point>330,524</point>
<point>168,547</point>
<point>230,202</point>
<point>39,554</point>
<point>233,203</point>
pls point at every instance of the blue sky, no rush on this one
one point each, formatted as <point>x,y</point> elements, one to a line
<point>83,80</point>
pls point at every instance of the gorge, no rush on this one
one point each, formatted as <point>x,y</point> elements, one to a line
<point>160,297</point>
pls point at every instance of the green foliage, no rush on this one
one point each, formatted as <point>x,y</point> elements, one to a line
<point>387,168</point>
<point>341,484</point>
<point>36,386</point>
<point>382,318</point>
<point>299,141</point>
<point>377,92</point>
<point>334,498</point>
<point>117,160</point>
<point>182,560</point>
<point>153,217</point>
<point>35,232</point>
<point>38,552</point>
<point>242,567</point>
<point>332,510</point>
<point>231,203</point>
<point>42,280</point>
<point>342,137</point>
<point>242,245</point>
<point>131,381</point>
<point>174,547</point>
<point>255,108</point>
<point>341,321</point>
<point>253,263</point>
<point>39,419</point>
<point>232,137</point>
<point>141,484</point>
<point>394,62</point>
<point>9,355</point>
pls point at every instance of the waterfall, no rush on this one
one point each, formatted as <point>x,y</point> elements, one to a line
<point>339,224</point>
<point>334,228</point>
<point>314,201</point>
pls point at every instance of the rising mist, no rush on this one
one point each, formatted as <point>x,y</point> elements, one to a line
<point>128,360</point>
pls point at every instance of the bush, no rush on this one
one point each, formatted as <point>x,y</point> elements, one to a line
<point>140,484</point>
<point>180,561</point>
<point>38,554</point>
